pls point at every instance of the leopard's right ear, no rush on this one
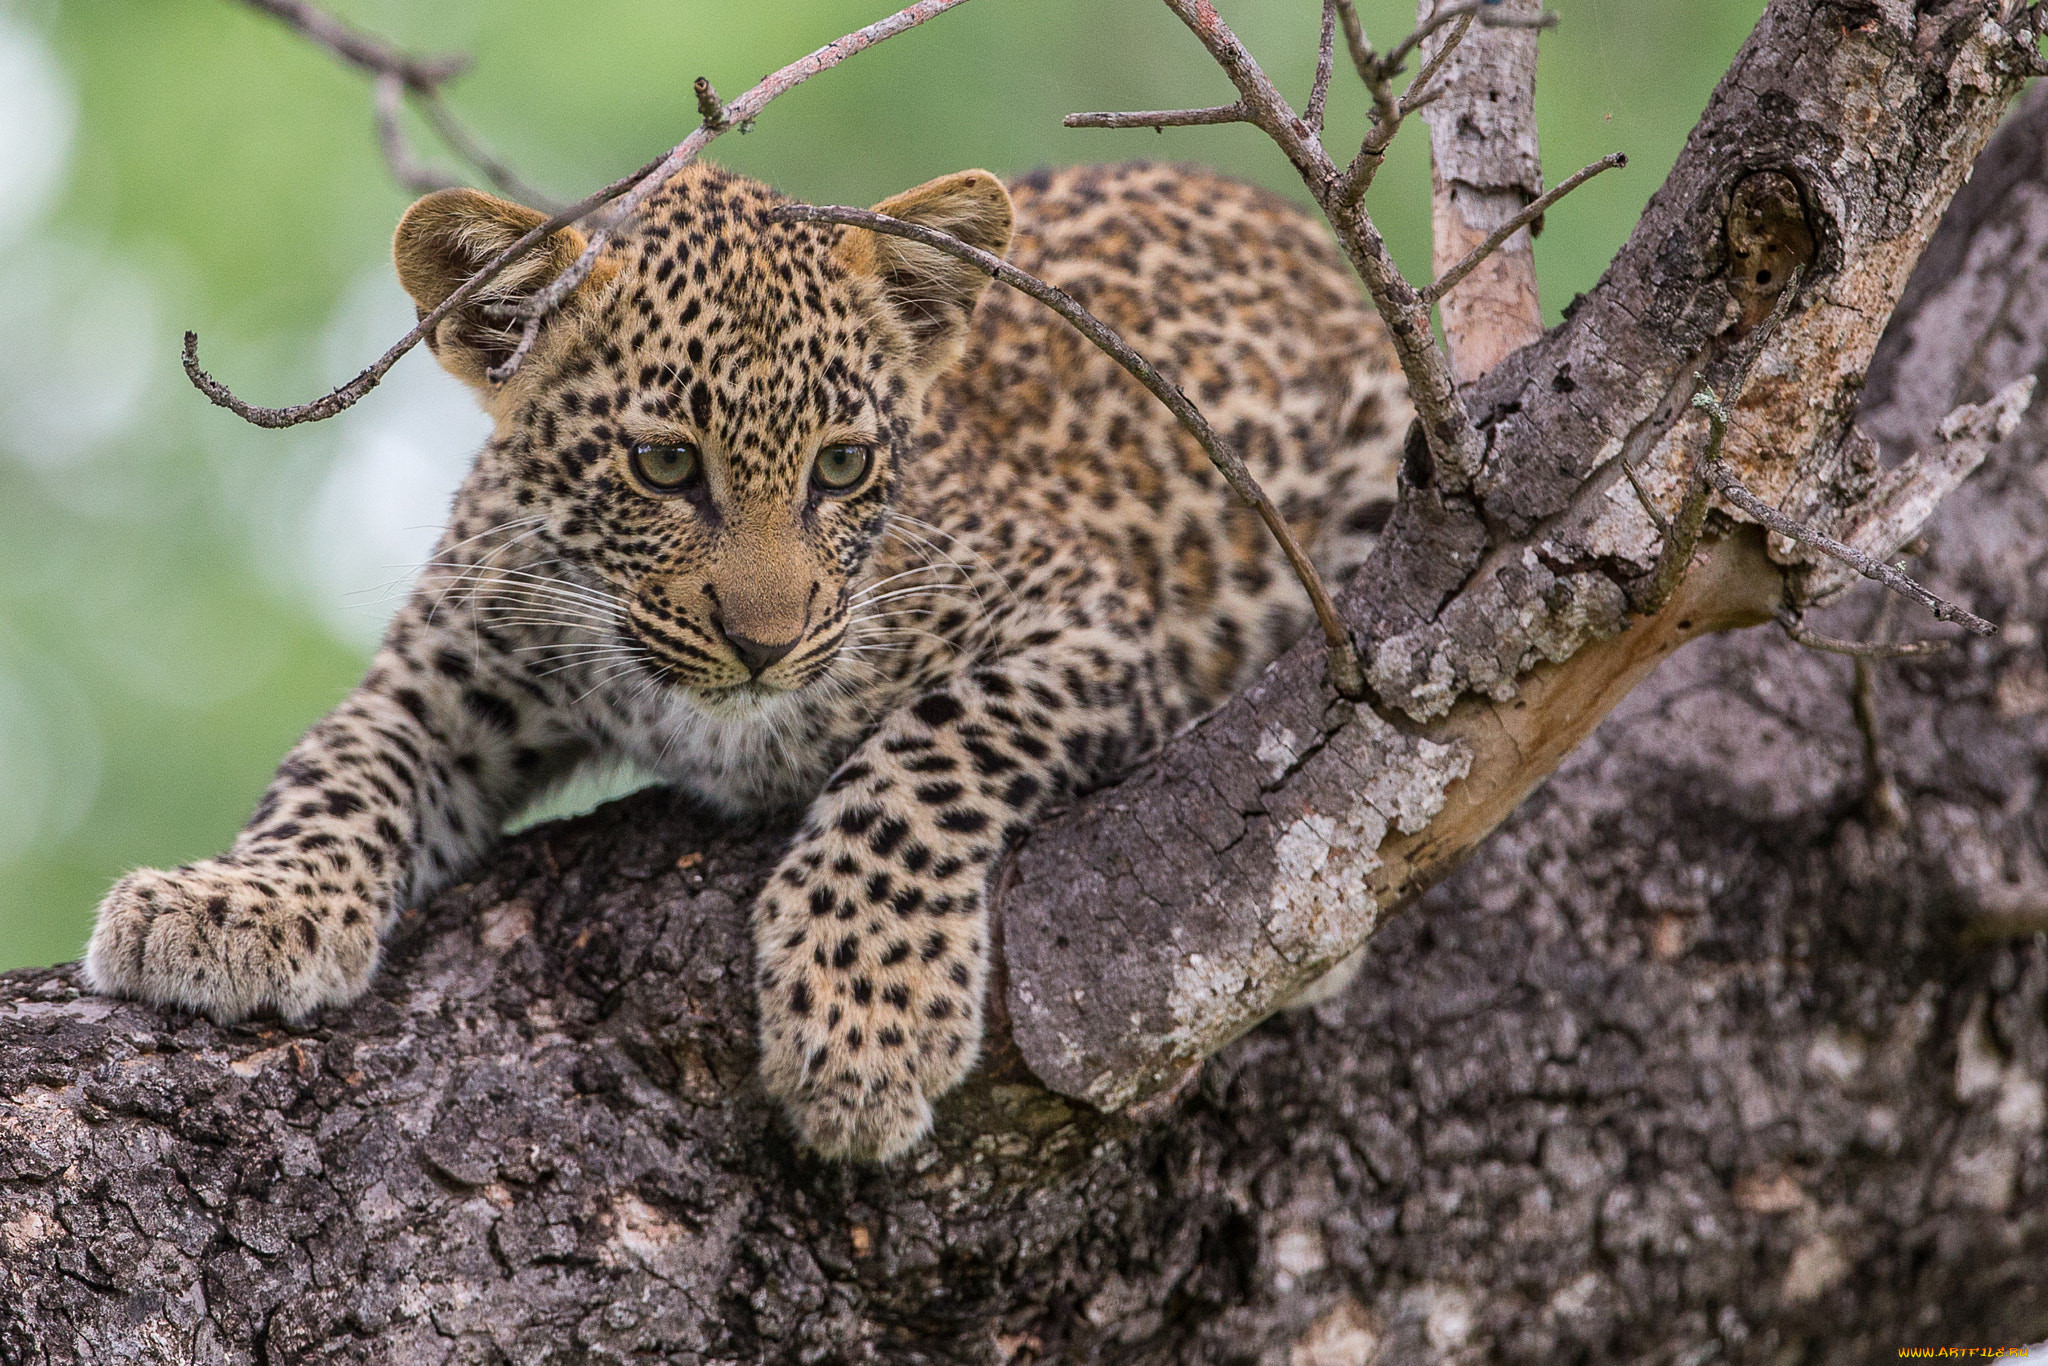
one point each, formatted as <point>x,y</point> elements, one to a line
<point>450,235</point>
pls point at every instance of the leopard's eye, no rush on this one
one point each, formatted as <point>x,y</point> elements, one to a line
<point>842,465</point>
<point>665,467</point>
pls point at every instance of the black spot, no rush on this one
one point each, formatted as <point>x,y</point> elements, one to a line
<point>937,710</point>
<point>848,950</point>
<point>934,945</point>
<point>800,998</point>
<point>887,836</point>
<point>898,951</point>
<point>847,777</point>
<point>938,794</point>
<point>962,821</point>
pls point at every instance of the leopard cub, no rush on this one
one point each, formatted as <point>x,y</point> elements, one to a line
<point>790,513</point>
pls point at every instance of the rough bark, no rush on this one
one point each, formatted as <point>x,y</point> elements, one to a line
<point>1693,1058</point>
<point>1497,622</point>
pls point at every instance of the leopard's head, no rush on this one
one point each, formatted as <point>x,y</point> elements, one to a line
<point>713,428</point>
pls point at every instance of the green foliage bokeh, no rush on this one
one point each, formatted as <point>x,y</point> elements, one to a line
<point>167,624</point>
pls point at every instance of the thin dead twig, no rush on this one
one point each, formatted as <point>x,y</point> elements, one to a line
<point>1487,12</point>
<point>1326,58</point>
<point>624,194</point>
<point>1346,675</point>
<point>401,77</point>
<point>1450,279</point>
<point>358,48</point>
<point>1795,628</point>
<point>1160,118</point>
<point>741,112</point>
<point>346,397</point>
<point>1390,111</point>
<point>1729,485</point>
<point>1446,426</point>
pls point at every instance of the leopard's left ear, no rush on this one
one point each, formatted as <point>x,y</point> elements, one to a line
<point>933,293</point>
<point>450,235</point>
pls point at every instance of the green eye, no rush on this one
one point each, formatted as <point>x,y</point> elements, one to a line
<point>665,467</point>
<point>842,465</point>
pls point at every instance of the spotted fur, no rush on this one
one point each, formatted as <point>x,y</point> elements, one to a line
<point>1037,581</point>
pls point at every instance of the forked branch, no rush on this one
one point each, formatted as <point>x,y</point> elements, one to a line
<point>402,77</point>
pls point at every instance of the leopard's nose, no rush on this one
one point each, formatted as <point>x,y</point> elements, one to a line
<point>758,655</point>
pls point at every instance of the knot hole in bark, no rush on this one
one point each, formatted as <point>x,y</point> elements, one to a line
<point>1769,237</point>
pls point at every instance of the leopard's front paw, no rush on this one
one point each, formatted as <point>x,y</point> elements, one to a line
<point>857,1057</point>
<point>231,941</point>
<point>843,1113</point>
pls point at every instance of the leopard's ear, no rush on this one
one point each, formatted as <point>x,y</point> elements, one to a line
<point>933,293</point>
<point>451,234</point>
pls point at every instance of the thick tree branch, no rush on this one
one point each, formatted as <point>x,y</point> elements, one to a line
<point>1334,816</point>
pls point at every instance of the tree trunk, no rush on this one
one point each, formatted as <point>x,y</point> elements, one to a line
<point>1701,1057</point>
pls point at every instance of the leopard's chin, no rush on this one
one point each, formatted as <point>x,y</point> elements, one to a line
<point>737,701</point>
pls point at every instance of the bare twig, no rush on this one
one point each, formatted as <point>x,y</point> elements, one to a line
<point>1448,281</point>
<point>472,149</point>
<point>1487,12</point>
<point>1419,90</point>
<point>625,195</point>
<point>363,50</point>
<point>345,397</point>
<point>1326,55</point>
<point>1355,41</point>
<point>401,77</point>
<point>1345,672</point>
<point>1729,485</point>
<point>1794,626</point>
<point>740,112</point>
<point>388,100</point>
<point>1160,118</point>
<point>1446,426</point>
<point>1389,111</point>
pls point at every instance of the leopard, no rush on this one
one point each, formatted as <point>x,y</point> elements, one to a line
<point>807,518</point>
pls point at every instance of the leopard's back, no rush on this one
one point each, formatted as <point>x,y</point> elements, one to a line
<point>1041,445</point>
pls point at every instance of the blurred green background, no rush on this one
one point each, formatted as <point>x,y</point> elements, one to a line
<point>181,594</point>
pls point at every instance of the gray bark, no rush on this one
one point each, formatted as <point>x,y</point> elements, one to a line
<point>1695,1060</point>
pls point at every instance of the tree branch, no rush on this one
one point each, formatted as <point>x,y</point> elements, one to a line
<point>623,196</point>
<point>1450,279</point>
<point>400,77</point>
<point>1502,628</point>
<point>1161,118</point>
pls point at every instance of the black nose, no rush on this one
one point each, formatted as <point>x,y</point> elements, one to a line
<point>756,655</point>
